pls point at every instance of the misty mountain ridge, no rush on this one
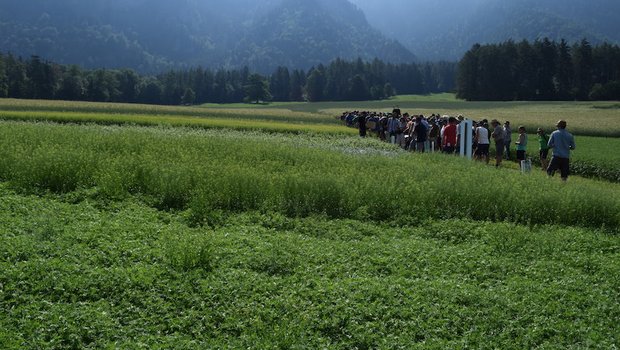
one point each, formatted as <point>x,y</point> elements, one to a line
<point>155,35</point>
<point>446,29</point>
<point>151,36</point>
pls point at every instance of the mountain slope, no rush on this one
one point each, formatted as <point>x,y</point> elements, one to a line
<point>159,34</point>
<point>445,29</point>
<point>309,32</point>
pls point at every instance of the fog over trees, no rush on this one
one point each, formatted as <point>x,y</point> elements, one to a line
<point>154,35</point>
<point>446,29</point>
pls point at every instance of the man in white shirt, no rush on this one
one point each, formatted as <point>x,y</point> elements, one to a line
<point>482,140</point>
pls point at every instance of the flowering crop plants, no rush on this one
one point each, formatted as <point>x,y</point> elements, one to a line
<point>206,171</point>
<point>269,120</point>
<point>168,235</point>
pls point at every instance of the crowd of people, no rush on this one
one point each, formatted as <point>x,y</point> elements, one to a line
<point>441,133</point>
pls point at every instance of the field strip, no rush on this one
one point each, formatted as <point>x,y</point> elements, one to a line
<point>186,121</point>
<point>582,121</point>
<point>241,112</point>
<point>195,170</point>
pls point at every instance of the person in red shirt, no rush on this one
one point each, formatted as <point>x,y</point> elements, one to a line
<point>449,136</point>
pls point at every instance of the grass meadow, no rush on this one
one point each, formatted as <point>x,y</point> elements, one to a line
<point>275,227</point>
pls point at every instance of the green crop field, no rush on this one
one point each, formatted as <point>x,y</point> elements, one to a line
<point>584,118</point>
<point>592,159</point>
<point>271,120</point>
<point>130,226</point>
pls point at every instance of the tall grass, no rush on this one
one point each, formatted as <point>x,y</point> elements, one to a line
<point>211,171</point>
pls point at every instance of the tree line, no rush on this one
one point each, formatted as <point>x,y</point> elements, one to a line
<point>542,70</point>
<point>35,78</point>
<point>359,81</point>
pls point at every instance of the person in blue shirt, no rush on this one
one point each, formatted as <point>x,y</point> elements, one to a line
<point>562,142</point>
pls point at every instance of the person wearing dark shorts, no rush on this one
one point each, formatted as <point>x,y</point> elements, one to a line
<point>482,141</point>
<point>562,142</point>
<point>483,150</point>
<point>544,157</point>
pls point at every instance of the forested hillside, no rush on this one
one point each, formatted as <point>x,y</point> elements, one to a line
<point>542,70</point>
<point>35,78</point>
<point>446,29</point>
<point>152,36</point>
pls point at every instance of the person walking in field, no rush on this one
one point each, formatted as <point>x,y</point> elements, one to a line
<point>427,125</point>
<point>400,133</point>
<point>421,134</point>
<point>543,148</point>
<point>393,125</point>
<point>449,136</point>
<point>498,137</point>
<point>383,125</point>
<point>361,122</point>
<point>482,143</point>
<point>507,138</point>
<point>433,136</point>
<point>521,145</point>
<point>562,142</point>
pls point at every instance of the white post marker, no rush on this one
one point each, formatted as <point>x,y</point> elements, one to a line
<point>467,138</point>
<point>526,166</point>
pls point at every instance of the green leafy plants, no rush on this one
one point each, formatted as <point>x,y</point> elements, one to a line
<point>128,236</point>
<point>210,171</point>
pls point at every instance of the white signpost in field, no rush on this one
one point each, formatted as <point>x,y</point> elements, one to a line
<point>467,138</point>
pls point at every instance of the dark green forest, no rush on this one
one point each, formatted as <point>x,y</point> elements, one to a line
<point>540,70</point>
<point>35,78</point>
